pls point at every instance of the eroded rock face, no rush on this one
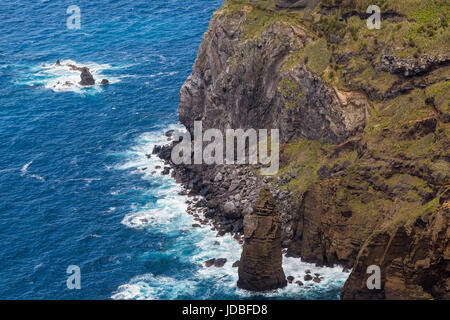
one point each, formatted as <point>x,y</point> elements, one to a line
<point>414,261</point>
<point>240,82</point>
<point>260,267</point>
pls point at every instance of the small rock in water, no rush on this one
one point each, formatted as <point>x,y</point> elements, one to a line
<point>236,264</point>
<point>317,280</point>
<point>196,225</point>
<point>210,262</point>
<point>299,283</point>
<point>308,277</point>
<point>219,263</point>
<point>104,82</point>
<point>308,271</point>
<point>290,279</point>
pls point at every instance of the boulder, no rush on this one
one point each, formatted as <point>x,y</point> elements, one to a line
<point>229,209</point>
<point>219,263</point>
<point>210,262</point>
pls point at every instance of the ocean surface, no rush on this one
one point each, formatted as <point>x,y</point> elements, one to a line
<point>72,186</point>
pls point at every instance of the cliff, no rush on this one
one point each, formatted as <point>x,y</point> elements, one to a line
<point>364,123</point>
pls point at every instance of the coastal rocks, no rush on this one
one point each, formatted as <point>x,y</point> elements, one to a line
<point>210,262</point>
<point>218,263</point>
<point>230,210</point>
<point>86,77</point>
<point>260,266</point>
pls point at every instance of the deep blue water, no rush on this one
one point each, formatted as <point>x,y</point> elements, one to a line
<point>72,188</point>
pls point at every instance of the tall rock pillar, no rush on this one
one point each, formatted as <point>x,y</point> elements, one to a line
<point>260,267</point>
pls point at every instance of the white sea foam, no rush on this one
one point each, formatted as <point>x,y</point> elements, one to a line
<point>168,215</point>
<point>24,171</point>
<point>25,168</point>
<point>63,78</point>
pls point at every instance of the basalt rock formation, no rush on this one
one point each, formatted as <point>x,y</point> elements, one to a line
<point>364,122</point>
<point>260,267</point>
<point>86,77</point>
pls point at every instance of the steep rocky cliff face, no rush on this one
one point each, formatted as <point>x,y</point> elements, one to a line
<point>364,121</point>
<point>240,80</point>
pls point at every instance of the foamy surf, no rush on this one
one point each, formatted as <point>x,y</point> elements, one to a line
<point>61,78</point>
<point>168,216</point>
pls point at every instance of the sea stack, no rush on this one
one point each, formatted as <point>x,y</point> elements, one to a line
<point>260,267</point>
<point>86,77</point>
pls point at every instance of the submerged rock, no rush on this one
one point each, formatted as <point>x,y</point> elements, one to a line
<point>104,82</point>
<point>260,266</point>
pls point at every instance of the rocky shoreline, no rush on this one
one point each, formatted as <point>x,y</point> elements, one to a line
<point>226,193</point>
<point>364,129</point>
<point>221,196</point>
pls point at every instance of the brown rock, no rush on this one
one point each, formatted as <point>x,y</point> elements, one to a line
<point>219,263</point>
<point>260,266</point>
<point>413,262</point>
<point>210,262</point>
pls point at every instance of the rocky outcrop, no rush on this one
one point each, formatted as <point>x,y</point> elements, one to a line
<point>86,77</point>
<point>411,67</point>
<point>260,267</point>
<point>414,260</point>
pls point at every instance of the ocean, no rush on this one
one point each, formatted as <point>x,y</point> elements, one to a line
<point>76,187</point>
